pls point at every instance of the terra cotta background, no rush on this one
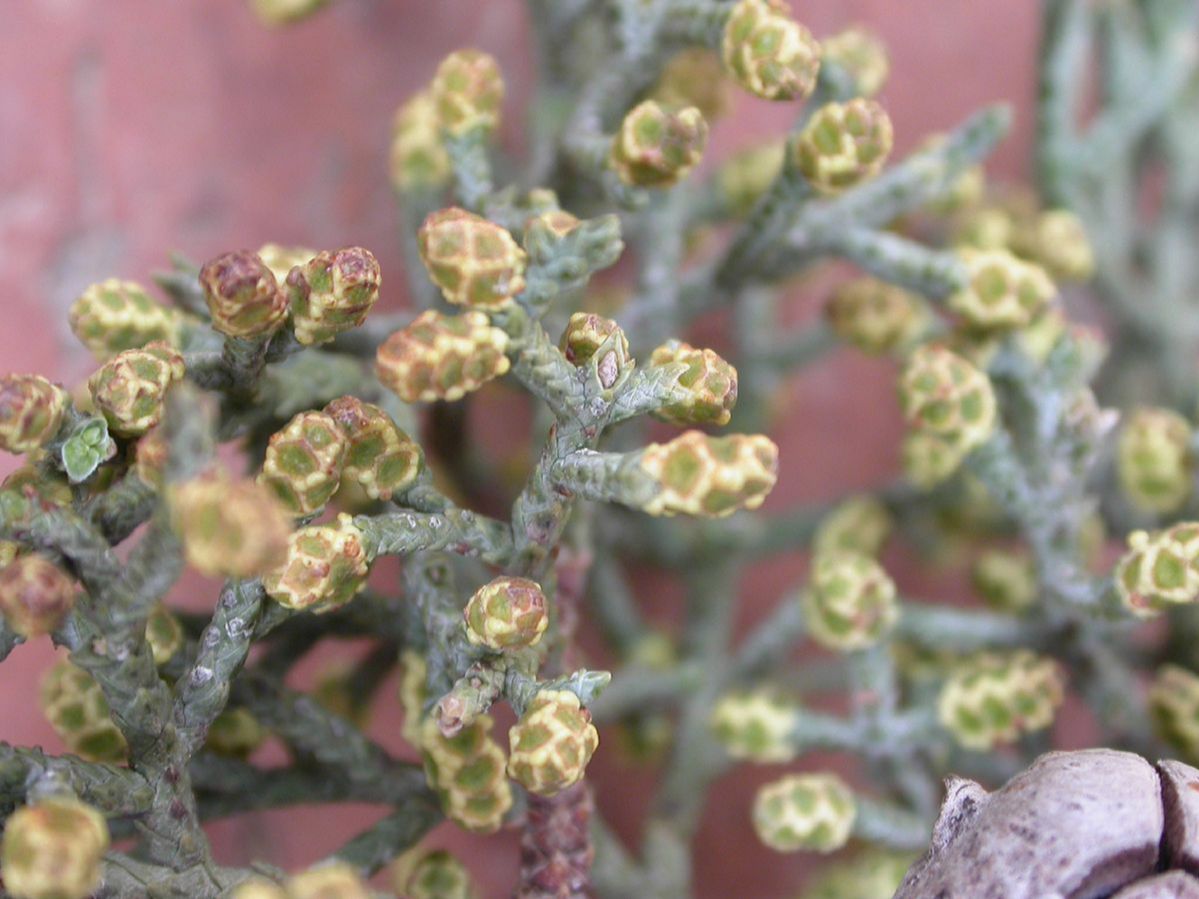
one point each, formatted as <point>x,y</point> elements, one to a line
<point>129,128</point>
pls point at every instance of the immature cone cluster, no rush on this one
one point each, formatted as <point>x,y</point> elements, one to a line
<point>552,743</point>
<point>509,613</point>
<point>31,412</point>
<point>1174,707</point>
<point>757,726</point>
<point>876,317</point>
<point>1001,291</point>
<point>75,706</point>
<point>164,634</point>
<point>114,315</point>
<point>862,56</point>
<point>468,91</point>
<point>52,849</point>
<point>1006,580</point>
<point>418,158</point>
<point>658,147</point>
<point>467,771</point>
<point>1058,240</point>
<point>995,698</point>
<point>928,459</point>
<point>748,175</point>
<point>235,733</point>
<point>337,880</point>
<point>303,462</point>
<point>695,77</point>
<point>710,385</point>
<point>1161,568</point>
<point>442,357</point>
<point>473,261</point>
<point>860,524</point>
<point>850,602</point>
<point>434,875</point>
<point>230,528</point>
<point>380,456</point>
<point>285,12</point>
<point>805,811</point>
<point>843,145</point>
<point>767,52</point>
<point>586,334</point>
<point>944,395</point>
<point>332,292</point>
<point>710,476</point>
<point>243,296</point>
<point>1154,460</point>
<point>325,567</point>
<point>129,390</point>
<point>35,595</point>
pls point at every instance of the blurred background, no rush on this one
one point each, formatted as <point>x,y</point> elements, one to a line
<point>132,128</point>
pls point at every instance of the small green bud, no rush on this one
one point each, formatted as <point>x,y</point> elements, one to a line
<point>710,477</point>
<point>258,889</point>
<point>229,528</point>
<point>75,706</point>
<point>1002,292</point>
<point>768,53</point>
<point>35,595</point>
<point>119,315</point>
<point>418,157</point>
<point>656,147</point>
<point>994,698</point>
<point>467,771</point>
<point>930,459</point>
<point>869,874</point>
<point>164,634</point>
<point>303,462</point>
<point>1058,240</point>
<point>862,56</point>
<point>442,357</point>
<point>235,732</point>
<point>285,12</point>
<point>756,726</point>
<point>336,880</point>
<point>468,91</point>
<point>585,335</point>
<point>326,567</point>
<point>129,390</point>
<point>1006,580</point>
<point>545,231</point>
<point>850,602</point>
<point>414,674</point>
<point>281,260</point>
<point>332,292</point>
<point>1159,569</point>
<point>710,382</point>
<point>473,261</point>
<point>943,394</point>
<point>433,875</point>
<point>52,849</point>
<point>31,412</point>
<point>1174,707</point>
<point>805,811</point>
<point>748,175</point>
<point>860,524</point>
<point>380,456</point>
<point>87,448</point>
<point>243,296</point>
<point>695,77</point>
<point>843,145</point>
<point>506,614</point>
<point>1154,460</point>
<point>552,743</point>
<point>876,317</point>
